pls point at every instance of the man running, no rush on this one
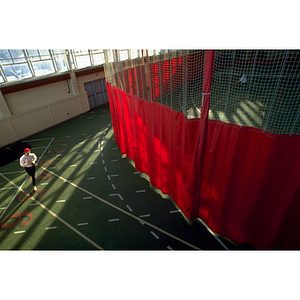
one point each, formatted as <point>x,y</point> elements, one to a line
<point>28,162</point>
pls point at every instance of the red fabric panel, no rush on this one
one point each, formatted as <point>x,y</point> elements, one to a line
<point>250,190</point>
<point>160,141</point>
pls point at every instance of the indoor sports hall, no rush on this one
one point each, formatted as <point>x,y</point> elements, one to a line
<point>161,149</point>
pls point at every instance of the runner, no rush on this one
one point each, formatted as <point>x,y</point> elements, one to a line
<point>28,162</point>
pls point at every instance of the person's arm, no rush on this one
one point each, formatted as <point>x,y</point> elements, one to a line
<point>22,162</point>
<point>34,158</point>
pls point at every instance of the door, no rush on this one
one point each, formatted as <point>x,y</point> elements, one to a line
<point>97,92</point>
<point>91,94</point>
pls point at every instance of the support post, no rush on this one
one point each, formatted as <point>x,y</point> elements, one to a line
<point>209,63</point>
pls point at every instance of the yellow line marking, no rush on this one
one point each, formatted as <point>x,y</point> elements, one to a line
<point>123,211</point>
<point>55,215</point>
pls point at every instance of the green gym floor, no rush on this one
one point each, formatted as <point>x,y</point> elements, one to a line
<point>90,197</point>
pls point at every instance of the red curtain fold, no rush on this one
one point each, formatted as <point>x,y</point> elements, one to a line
<point>250,185</point>
<point>243,182</point>
<point>161,142</point>
<point>250,190</point>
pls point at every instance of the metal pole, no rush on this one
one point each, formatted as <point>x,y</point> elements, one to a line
<point>159,76</point>
<point>170,78</point>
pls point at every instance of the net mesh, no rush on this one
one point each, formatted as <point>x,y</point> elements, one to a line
<point>256,88</point>
<point>173,78</point>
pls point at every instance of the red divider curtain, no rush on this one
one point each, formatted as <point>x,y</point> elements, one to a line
<point>242,182</point>
<point>161,142</point>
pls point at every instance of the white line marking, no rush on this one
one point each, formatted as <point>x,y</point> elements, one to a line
<point>38,140</point>
<point>115,207</point>
<point>8,188</point>
<point>20,187</point>
<point>84,198</point>
<point>113,220</point>
<point>155,235</point>
<point>13,172</point>
<point>129,208</point>
<point>136,173</point>
<point>101,154</point>
<point>212,233</point>
<point>174,211</point>
<point>38,148</point>
<point>17,232</point>
<point>114,160</point>
<point>114,175</point>
<point>105,169</point>
<point>113,186</point>
<point>71,166</point>
<point>48,228</point>
<point>61,201</point>
<point>108,177</point>
<point>81,143</point>
<point>103,161</point>
<point>32,204</point>
<point>55,215</point>
<point>170,248</point>
<point>144,216</point>
<point>91,178</point>
<point>2,207</point>
<point>67,181</point>
<point>117,195</point>
<point>141,191</point>
<point>81,224</point>
<point>45,183</point>
<point>96,150</point>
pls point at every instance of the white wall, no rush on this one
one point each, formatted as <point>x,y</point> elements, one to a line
<point>29,99</point>
<point>22,125</point>
<point>29,111</point>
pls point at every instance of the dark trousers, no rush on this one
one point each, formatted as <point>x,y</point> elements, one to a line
<point>31,172</point>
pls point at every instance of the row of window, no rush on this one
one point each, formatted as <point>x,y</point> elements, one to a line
<point>18,64</point>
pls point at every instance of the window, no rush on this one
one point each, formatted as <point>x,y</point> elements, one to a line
<point>41,61</point>
<point>60,58</point>
<point>18,64</point>
<point>81,58</point>
<point>14,65</point>
<point>123,54</point>
<point>97,56</point>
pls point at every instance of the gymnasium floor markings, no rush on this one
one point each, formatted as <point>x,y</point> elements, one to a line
<point>27,177</point>
<point>123,211</point>
<point>113,175</point>
<point>57,217</point>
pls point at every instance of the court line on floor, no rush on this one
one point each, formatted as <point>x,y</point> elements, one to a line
<point>123,211</point>
<point>56,216</point>
<point>52,139</point>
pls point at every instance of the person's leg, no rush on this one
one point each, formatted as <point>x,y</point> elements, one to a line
<point>31,172</point>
